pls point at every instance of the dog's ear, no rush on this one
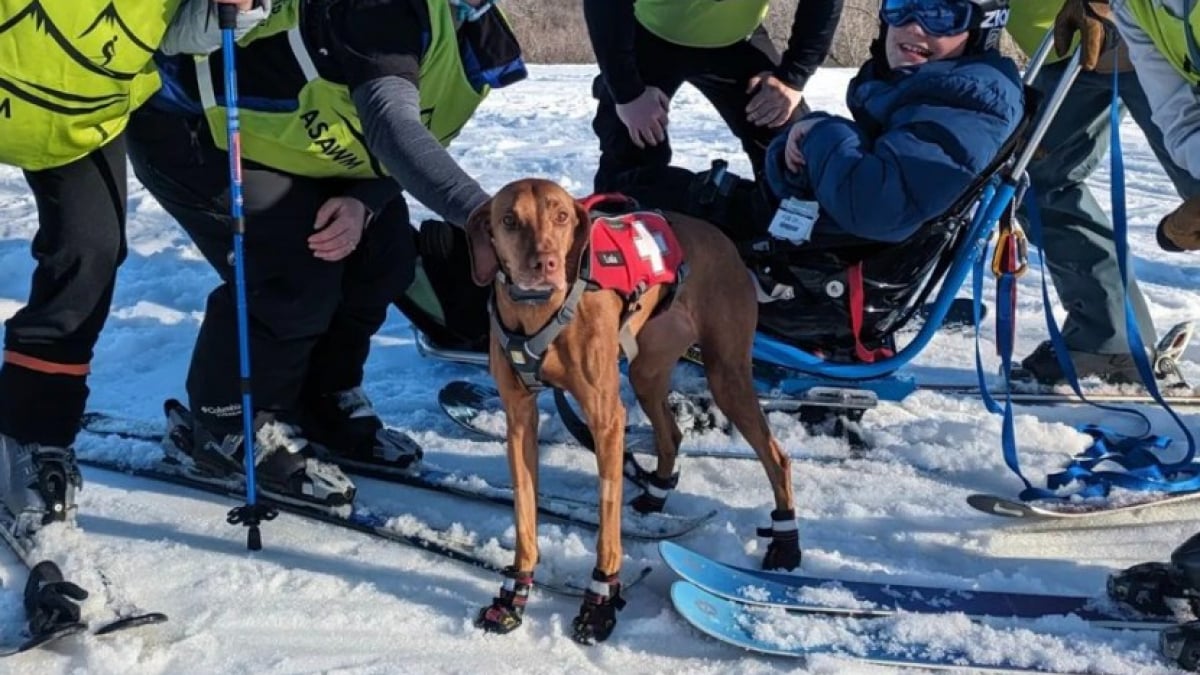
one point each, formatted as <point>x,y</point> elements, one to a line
<point>484,265</point>
<point>580,237</point>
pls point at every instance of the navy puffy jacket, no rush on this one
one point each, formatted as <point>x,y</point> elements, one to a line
<point>919,137</point>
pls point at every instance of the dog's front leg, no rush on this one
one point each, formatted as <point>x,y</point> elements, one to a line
<point>606,419</point>
<point>521,414</point>
<point>520,404</point>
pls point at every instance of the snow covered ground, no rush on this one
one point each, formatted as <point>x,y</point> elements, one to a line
<point>320,599</point>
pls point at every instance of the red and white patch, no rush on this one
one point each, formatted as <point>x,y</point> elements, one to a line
<point>634,250</point>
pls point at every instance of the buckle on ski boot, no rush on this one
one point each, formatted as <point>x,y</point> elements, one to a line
<point>598,613</point>
<point>1181,644</point>
<point>1147,587</point>
<point>784,550</point>
<point>57,479</point>
<point>507,610</point>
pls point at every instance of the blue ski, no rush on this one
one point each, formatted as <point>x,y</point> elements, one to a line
<point>771,631</point>
<point>869,599</point>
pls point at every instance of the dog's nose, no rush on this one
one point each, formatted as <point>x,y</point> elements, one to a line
<point>545,264</point>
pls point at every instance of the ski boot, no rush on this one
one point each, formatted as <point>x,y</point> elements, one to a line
<point>286,464</point>
<point>346,425</point>
<point>1152,588</point>
<point>507,610</point>
<point>1181,644</point>
<point>740,208</point>
<point>784,550</point>
<point>37,484</point>
<point>598,613</point>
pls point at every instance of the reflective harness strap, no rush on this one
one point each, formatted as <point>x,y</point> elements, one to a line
<point>204,80</point>
<point>526,354</point>
<point>855,299</point>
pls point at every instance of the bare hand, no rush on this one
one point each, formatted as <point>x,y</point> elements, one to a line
<point>646,117</point>
<point>242,5</point>
<point>791,152</point>
<point>774,101</point>
<point>340,223</point>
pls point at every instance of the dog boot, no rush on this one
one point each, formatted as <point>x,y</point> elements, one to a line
<point>507,610</point>
<point>784,550</point>
<point>598,614</point>
<point>654,498</point>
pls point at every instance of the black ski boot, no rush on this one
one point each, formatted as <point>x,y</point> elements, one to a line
<point>598,614</point>
<point>737,206</point>
<point>345,423</point>
<point>1181,644</point>
<point>784,550</point>
<point>1151,587</point>
<point>507,610</point>
<point>286,464</point>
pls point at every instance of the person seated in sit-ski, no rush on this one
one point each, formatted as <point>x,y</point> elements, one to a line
<point>931,110</point>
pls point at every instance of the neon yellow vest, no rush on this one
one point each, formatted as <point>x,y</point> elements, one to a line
<point>1028,23</point>
<point>71,72</point>
<point>1167,33</point>
<point>701,23</point>
<point>323,136</point>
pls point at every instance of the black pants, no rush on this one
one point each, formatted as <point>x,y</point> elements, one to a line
<point>310,321</point>
<point>720,74</point>
<point>48,343</point>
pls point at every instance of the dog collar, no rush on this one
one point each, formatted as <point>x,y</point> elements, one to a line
<point>520,295</point>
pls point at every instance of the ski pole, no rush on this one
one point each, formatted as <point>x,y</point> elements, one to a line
<point>251,513</point>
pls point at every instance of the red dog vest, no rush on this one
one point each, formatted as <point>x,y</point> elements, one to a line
<point>634,251</point>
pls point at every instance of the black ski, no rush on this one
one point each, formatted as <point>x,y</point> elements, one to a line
<point>650,527</point>
<point>371,521</point>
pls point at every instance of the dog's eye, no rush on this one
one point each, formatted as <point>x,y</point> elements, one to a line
<point>562,218</point>
<point>509,222</point>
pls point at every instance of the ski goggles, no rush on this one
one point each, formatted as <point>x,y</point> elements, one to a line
<point>937,17</point>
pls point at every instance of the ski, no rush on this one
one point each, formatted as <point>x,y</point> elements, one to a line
<point>583,513</point>
<point>399,528</point>
<point>772,631</point>
<point>51,600</point>
<point>1074,510</point>
<point>476,408</point>
<point>394,527</point>
<point>865,599</point>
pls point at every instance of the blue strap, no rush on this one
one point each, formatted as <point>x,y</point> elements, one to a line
<point>1137,348</point>
<point>1005,318</point>
<point>1137,457</point>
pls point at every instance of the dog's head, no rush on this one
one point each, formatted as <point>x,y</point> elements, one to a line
<point>534,231</point>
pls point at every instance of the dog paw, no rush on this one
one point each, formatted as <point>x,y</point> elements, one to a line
<point>783,553</point>
<point>654,496</point>
<point>507,609</point>
<point>598,613</point>
<point>497,618</point>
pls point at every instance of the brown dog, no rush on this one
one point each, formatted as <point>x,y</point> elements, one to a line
<point>530,241</point>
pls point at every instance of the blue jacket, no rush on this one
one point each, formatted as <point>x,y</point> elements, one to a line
<point>919,137</point>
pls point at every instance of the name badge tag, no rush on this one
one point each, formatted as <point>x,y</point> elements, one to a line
<point>794,220</point>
